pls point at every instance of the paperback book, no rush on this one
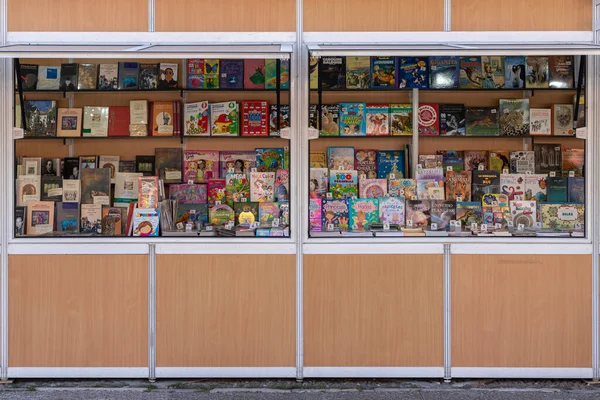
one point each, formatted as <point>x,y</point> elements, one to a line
<point>514,117</point>
<point>452,120</point>
<point>444,72</point>
<point>413,73</point>
<point>353,119</point>
<point>401,120</point>
<point>383,72</point>
<point>377,119</point>
<point>481,121</point>
<point>363,213</point>
<point>470,75</point>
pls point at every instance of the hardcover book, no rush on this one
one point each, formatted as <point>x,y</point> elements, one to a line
<point>282,114</point>
<point>41,117</point>
<point>127,166</point>
<point>313,70</point>
<point>391,162</point>
<point>111,221</point>
<point>40,217</point>
<point>315,214</point>
<point>220,214</point>
<point>267,213</point>
<point>442,212</point>
<point>91,219</point>
<point>255,118</point>
<point>412,73</point>
<point>493,72</point>
<point>126,188</point>
<point>372,188</point>
<point>557,189</point>
<point>458,185</point>
<point>475,158</point>
<point>52,188</point>
<point>68,76</point>
<point>357,72</point>
<point>548,157</point>
<point>536,187</point>
<point>196,119</point>
<point>391,210</point>
<point>343,183</point>
<point>128,76</point>
<point>95,121</point>
<point>71,170</point>
<point>401,120</point>
<point>118,121</point>
<point>431,161</point>
<point>468,213</point>
<point>110,162</point>
<point>333,73</point>
<point>189,193</point>
<point>87,162</point>
<point>195,73</point>
<point>514,72</point>
<point>224,119</point>
<point>537,72</point>
<point>148,192</point>
<point>383,72</point>
<point>452,120</point>
<point>470,75</point>
<point>216,191</point>
<point>562,116</point>
<point>247,213</point>
<point>94,182</point>
<point>269,159</point>
<point>29,76</point>
<point>362,213</point>
<point>377,118</point>
<point>429,121</point>
<point>148,76</point>
<point>443,72</point>
<point>499,161</point>
<point>146,165</point>
<point>270,73</point>
<point>195,214</point>
<point>330,119</point>
<point>20,220</point>
<point>335,212</point>
<point>418,212</point>
<point>254,74</point>
<point>341,158</point>
<point>282,185</point>
<point>576,186</point>
<point>522,162</point>
<point>319,182</point>
<point>239,162</point>
<point>232,74</point>
<point>353,119</point>
<point>31,166</point>
<point>28,189</point>
<point>485,182</point>
<point>108,77</point>
<point>514,117</point>
<point>561,71</point>
<point>562,216</point>
<point>167,78</point>
<point>69,122</point>
<point>262,186</point>
<point>540,123</point>
<point>145,222</point>
<point>523,213</point>
<point>453,158</point>
<point>481,121</point>
<point>573,160</point>
<point>88,77</point>
<point>169,164</point>
<point>163,118</point>
<point>48,78</point>
<point>67,217</point>
<point>200,166</point>
<point>513,186</point>
<point>429,182</point>
<point>318,159</point>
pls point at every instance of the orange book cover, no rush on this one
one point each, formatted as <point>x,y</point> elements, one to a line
<point>163,118</point>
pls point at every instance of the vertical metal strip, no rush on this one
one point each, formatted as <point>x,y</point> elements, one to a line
<point>151,15</point>
<point>593,165</point>
<point>6,184</point>
<point>152,312</point>
<point>447,314</point>
<point>414,150</point>
<point>447,15</point>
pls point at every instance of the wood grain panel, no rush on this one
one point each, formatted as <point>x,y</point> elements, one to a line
<point>78,16</point>
<point>521,15</point>
<point>521,311</point>
<point>232,16</point>
<point>373,310</point>
<point>78,310</point>
<point>380,16</point>
<point>225,310</point>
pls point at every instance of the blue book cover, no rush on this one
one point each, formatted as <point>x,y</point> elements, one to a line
<point>412,73</point>
<point>576,189</point>
<point>453,158</point>
<point>232,74</point>
<point>443,72</point>
<point>269,159</point>
<point>391,162</point>
<point>557,189</point>
<point>514,72</point>
<point>363,213</point>
<point>383,72</point>
<point>353,120</point>
<point>335,212</point>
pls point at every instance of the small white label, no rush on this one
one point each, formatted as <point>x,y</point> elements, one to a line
<point>55,192</point>
<point>571,174</point>
<point>528,173</point>
<point>103,200</point>
<point>519,197</point>
<point>578,225</point>
<point>392,176</point>
<point>386,226</point>
<point>285,133</point>
<point>209,227</point>
<point>414,198</point>
<point>190,181</point>
<point>459,199</point>
<point>18,133</point>
<point>409,223</point>
<point>449,168</point>
<point>537,225</point>
<point>362,176</point>
<point>217,202</point>
<point>434,226</point>
<point>510,224</point>
<point>505,171</point>
<point>481,167</point>
<point>459,224</point>
<point>254,225</point>
<point>473,226</point>
<point>552,174</point>
<point>329,195</point>
<point>484,228</point>
<point>243,200</point>
<point>192,212</point>
<point>276,222</point>
<point>188,227</point>
<point>581,133</point>
<point>498,225</point>
<point>231,170</point>
<point>253,170</point>
<point>330,227</point>
<point>520,227</point>
<point>179,226</point>
<point>453,223</point>
<point>313,133</point>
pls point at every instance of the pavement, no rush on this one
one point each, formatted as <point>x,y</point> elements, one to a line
<point>307,390</point>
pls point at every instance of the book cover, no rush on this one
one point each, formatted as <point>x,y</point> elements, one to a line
<point>419,212</point>
<point>481,121</point>
<point>443,72</point>
<point>548,157</point>
<point>20,220</point>
<point>269,159</point>
<point>220,214</point>
<point>484,182</point>
<point>318,159</point>
<point>31,166</point>
<point>69,122</point>
<point>108,77</point>
<point>430,161</point>
<point>189,193</point>
<point>573,160</point>
<point>353,119</point>
<point>562,116</point>
<point>163,118</point>
<point>340,157</point>
<point>330,120</point>
<point>468,213</point>
<point>514,72</point>
<point>169,164</point>
<point>255,118</point>
<point>452,158</point>
<point>514,117</point>
<point>471,74</point>
<point>239,162</point>
<point>580,118</point>
<point>428,179</point>
<point>429,121</point>
<point>110,162</point>
<point>254,74</point>
<point>126,188</point>
<point>111,221</point>
<point>402,187</point>
<point>377,119</point>
<point>145,165</point>
<point>540,123</point>
<point>200,165</point>
<point>357,72</point>
<point>270,73</point>
<point>391,162</point>
<point>91,219</point>
<point>148,192</point>
<point>41,117</point>
<point>372,188</point>
<point>267,213</point>
<point>284,74</point>
<point>319,182</point>
<point>523,213</point>
<point>247,213</point>
<point>557,189</point>
<point>167,76</point>
<point>48,78</point>
<point>284,213</point>
<point>363,213</point>
<point>561,72</point>
<point>196,119</point>
<point>442,212</point>
<point>87,77</point>
<point>537,72</point>
<point>51,188</point>
<point>262,186</point>
<point>475,158</point>
<point>145,222</point>
<point>536,187</point>
<point>283,115</point>
<point>216,191</point>
<point>40,217</point>
<point>493,72</point>
<point>412,73</point>
<point>118,121</point>
<point>68,76</point>
<point>29,76</point>
<point>87,162</point>
<point>128,76</point>
<point>513,185</point>
<point>232,74</point>
<point>195,73</point>
<point>95,121</point>
<point>522,162</point>
<point>365,162</point>
<point>224,119</point>
<point>343,183</point>
<point>383,73</point>
<point>314,214</point>
<point>148,76</point>
<point>576,189</point>
<point>71,169</point>
<point>333,73</point>
<point>458,184</point>
<point>94,182</point>
<point>562,216</point>
<point>499,161</point>
<point>391,210</point>
<point>127,166</point>
<point>195,214</point>
<point>282,185</point>
<point>401,120</point>
<point>335,212</point>
<point>452,120</point>
<point>67,217</point>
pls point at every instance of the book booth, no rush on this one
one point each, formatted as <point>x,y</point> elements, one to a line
<point>397,198</point>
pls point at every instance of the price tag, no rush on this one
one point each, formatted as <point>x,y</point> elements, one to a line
<point>458,224</point>
<point>354,227</point>
<point>528,173</point>
<point>217,202</point>
<point>453,223</point>
<point>179,226</point>
<point>505,171</point>
<point>209,227</point>
<point>188,227</point>
<point>190,181</point>
<point>362,176</point>
<point>474,226</point>
<point>275,222</point>
<point>481,167</point>
<point>285,133</point>
<point>386,226</point>
<point>419,166</point>
<point>581,133</point>
<point>571,174</point>
<point>434,226</point>
<point>498,225</point>
<point>243,200</point>
<point>253,170</point>
<point>537,225</point>
<point>192,212</point>
<point>436,184</point>
<point>340,168</point>
<point>230,170</point>
<point>330,227</point>
<point>459,199</point>
<point>313,133</point>
<point>18,133</point>
<point>392,176</point>
<point>329,196</point>
<point>578,225</point>
<point>510,224</point>
<point>519,197</point>
<point>254,225</point>
<point>484,228</point>
<point>520,227</point>
<point>449,168</point>
<point>409,223</point>
<point>552,174</point>
<point>413,198</point>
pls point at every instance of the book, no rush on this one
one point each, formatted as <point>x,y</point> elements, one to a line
<point>563,122</point>
<point>429,121</point>
<point>353,119</point>
<point>562,216</point>
<point>29,76</point>
<point>484,182</point>
<point>68,76</point>
<point>372,188</point>
<point>475,158</point>
<point>470,74</point>
<point>196,119</point>
<point>580,118</point>
<point>138,112</point>
<point>108,77</point>
<point>237,161</point>
<point>127,166</point>
<point>147,192</point>
<point>444,72</point>
<point>189,193</point>
<point>430,161</point>
<point>576,189</point>
<point>267,213</point>
<point>362,213</point>
<point>513,186</point>
<point>94,182</point>
<point>111,221</point>
<point>216,191</point>
<point>428,179</point>
<point>48,77</point>
<point>224,119</point>
<point>71,168</point>
<point>343,183</point>
<point>452,158</point>
<point>145,222</point>
<point>284,213</point>
<point>365,162</point>
<point>391,210</point>
<point>162,118</point>
<point>128,76</point>
<point>145,165</point>
<point>167,76</point>
<point>452,120</point>
<point>318,182</point>
<point>548,157</point>
<point>41,117</point>
<point>31,165</point>
<point>169,164</point>
<point>148,76</point>
<point>200,166</point>
<point>523,213</point>
<point>413,73</point>
<point>40,217</point>
<point>469,213</point>
<point>87,162</point>
<point>110,162</point>
<point>69,122</point>
<point>514,117</point>
<point>262,186</point>
<point>514,72</point>
<point>194,214</point>
<point>536,187</point>
<point>402,187</point>
<point>282,185</point>
<point>195,73</point>
<point>330,120</point>
<point>51,188</point>
<point>561,72</point>
<point>335,214</point>
<point>383,72</point>
<point>333,73</point>
<point>231,74</point>
<point>271,74</point>
<point>522,162</point>
<point>20,220</point>
<point>126,188</point>
<point>118,121</point>
<point>401,120</point>
<point>493,72</point>
<point>247,213</point>
<point>418,212</point>
<point>255,118</point>
<point>391,162</point>
<point>557,189</point>
<point>269,159</point>
<point>573,160</point>
<point>458,185</point>
<point>377,119</point>
<point>315,215</point>
<point>341,158</point>
<point>357,72</point>
<point>254,74</point>
<point>537,72</point>
<point>95,121</point>
<point>442,212</point>
<point>481,121</point>
<point>87,77</point>
<point>499,161</point>
<point>282,114</point>
<point>91,219</point>
<point>220,214</point>
<point>540,123</point>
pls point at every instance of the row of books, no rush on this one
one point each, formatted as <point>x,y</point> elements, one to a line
<point>159,118</point>
<point>445,72</point>
<point>129,75</point>
<point>513,117</point>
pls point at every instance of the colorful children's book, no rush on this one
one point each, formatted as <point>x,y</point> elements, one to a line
<point>481,121</point>
<point>262,186</point>
<point>189,194</point>
<point>514,117</point>
<point>267,213</point>
<point>493,72</point>
<point>211,74</point>
<point>343,183</point>
<point>403,187</point>
<point>383,72</point>
<point>365,162</point>
<point>391,210</point>
<point>412,73</point>
<point>335,214</point>
<point>562,216</point>
<point>537,72</point>
<point>254,73</point>
<point>224,119</point>
<point>453,158</point>
<point>319,182</point>
<point>429,120</point>
<point>540,123</point>
<point>401,120</point>
<point>145,222</point>
<point>576,189</point>
<point>536,187</point>
<point>522,162</point>
<point>513,185</point>
<point>195,214</point>
<point>196,119</point>
<point>239,162</point>
<point>418,212</point>
<point>195,73</point>
<point>485,182</point>
<point>200,166</point>
<point>282,185</point>
<point>357,72</point>
<point>269,159</point>
<point>246,213</point>
<point>216,191</point>
<point>363,213</point>
<point>391,162</point>
<point>318,159</point>
<point>458,185</point>
<point>353,119</point>
<point>333,70</point>
<point>282,114</point>
<point>470,75</point>
<point>573,160</point>
<point>427,180</point>
<point>499,161</point>
<point>475,158</point>
<point>431,161</point>
<point>377,118</point>
<point>237,188</point>
<point>548,157</point>
<point>561,72</point>
<point>523,212</point>
<point>341,158</point>
<point>220,214</point>
<point>255,118</point>
<point>372,188</point>
<point>41,117</point>
<point>468,213</point>
<point>330,120</point>
<point>314,210</point>
<point>443,72</point>
<point>514,72</point>
<point>232,74</point>
<point>557,189</point>
<point>452,120</point>
<point>442,212</point>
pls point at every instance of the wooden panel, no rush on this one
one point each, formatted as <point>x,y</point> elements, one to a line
<point>78,310</point>
<point>232,16</point>
<point>521,15</point>
<point>521,311</point>
<point>78,16</point>
<point>373,310</point>
<point>383,15</point>
<point>379,143</point>
<point>225,311</point>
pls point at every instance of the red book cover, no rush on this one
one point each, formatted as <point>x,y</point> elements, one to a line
<point>118,121</point>
<point>216,191</point>
<point>255,118</point>
<point>254,74</point>
<point>429,120</point>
